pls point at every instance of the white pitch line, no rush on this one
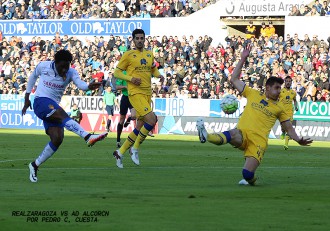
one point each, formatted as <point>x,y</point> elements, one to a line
<point>165,168</point>
<point>150,167</point>
<point>14,160</point>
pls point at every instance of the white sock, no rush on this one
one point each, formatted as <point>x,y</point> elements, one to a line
<point>73,126</point>
<point>45,154</point>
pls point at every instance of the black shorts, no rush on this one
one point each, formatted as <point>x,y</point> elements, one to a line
<point>109,109</point>
<point>124,105</point>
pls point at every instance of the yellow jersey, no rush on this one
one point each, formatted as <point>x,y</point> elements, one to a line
<point>286,97</point>
<point>270,31</point>
<point>250,31</point>
<point>263,31</point>
<point>139,64</point>
<point>260,113</point>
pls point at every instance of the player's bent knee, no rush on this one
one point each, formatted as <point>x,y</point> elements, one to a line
<point>155,119</point>
<point>57,141</point>
<point>247,175</point>
<point>150,118</point>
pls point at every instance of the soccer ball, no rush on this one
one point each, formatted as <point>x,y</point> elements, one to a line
<point>229,104</point>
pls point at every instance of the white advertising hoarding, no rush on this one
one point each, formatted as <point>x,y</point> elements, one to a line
<point>258,7</point>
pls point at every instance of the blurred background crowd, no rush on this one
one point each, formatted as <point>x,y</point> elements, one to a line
<point>192,66</point>
<point>93,9</point>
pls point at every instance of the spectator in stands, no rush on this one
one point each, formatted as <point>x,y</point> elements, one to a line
<point>270,30</point>
<point>263,29</point>
<point>193,55</point>
<point>294,11</point>
<point>195,5</point>
<point>306,10</point>
<point>177,6</point>
<point>98,74</point>
<point>310,91</point>
<point>319,97</point>
<point>327,97</point>
<point>296,45</point>
<point>8,14</point>
<point>313,12</point>
<point>250,30</point>
<point>324,84</point>
<point>167,12</point>
<point>325,8</point>
<point>188,9</point>
<point>317,6</point>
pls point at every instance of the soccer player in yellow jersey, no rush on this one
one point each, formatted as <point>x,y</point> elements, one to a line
<point>140,67</point>
<point>288,96</point>
<point>259,116</point>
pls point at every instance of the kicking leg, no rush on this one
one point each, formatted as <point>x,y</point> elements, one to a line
<point>234,136</point>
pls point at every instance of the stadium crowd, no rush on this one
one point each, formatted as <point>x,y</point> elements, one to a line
<point>316,8</point>
<point>93,9</point>
<point>193,67</point>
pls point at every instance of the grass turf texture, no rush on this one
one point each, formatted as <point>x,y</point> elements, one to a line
<point>180,185</point>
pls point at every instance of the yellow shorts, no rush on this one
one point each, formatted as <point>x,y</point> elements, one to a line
<point>141,103</point>
<point>291,117</point>
<point>253,145</point>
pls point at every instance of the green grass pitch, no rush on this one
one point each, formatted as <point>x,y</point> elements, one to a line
<point>181,185</point>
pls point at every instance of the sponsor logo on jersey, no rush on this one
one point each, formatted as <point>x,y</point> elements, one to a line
<point>264,102</point>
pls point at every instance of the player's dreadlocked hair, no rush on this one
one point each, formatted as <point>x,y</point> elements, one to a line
<point>138,31</point>
<point>272,80</point>
<point>63,55</point>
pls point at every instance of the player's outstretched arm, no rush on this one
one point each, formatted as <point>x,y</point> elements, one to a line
<point>305,142</point>
<point>295,104</point>
<point>237,83</point>
<point>31,82</point>
<point>287,126</point>
<point>94,85</point>
<point>27,103</point>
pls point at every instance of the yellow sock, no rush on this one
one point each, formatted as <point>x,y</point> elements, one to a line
<point>128,142</point>
<point>218,138</point>
<point>287,138</point>
<point>141,137</point>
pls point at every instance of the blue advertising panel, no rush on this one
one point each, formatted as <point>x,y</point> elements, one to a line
<point>11,115</point>
<point>11,106</point>
<point>44,27</point>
